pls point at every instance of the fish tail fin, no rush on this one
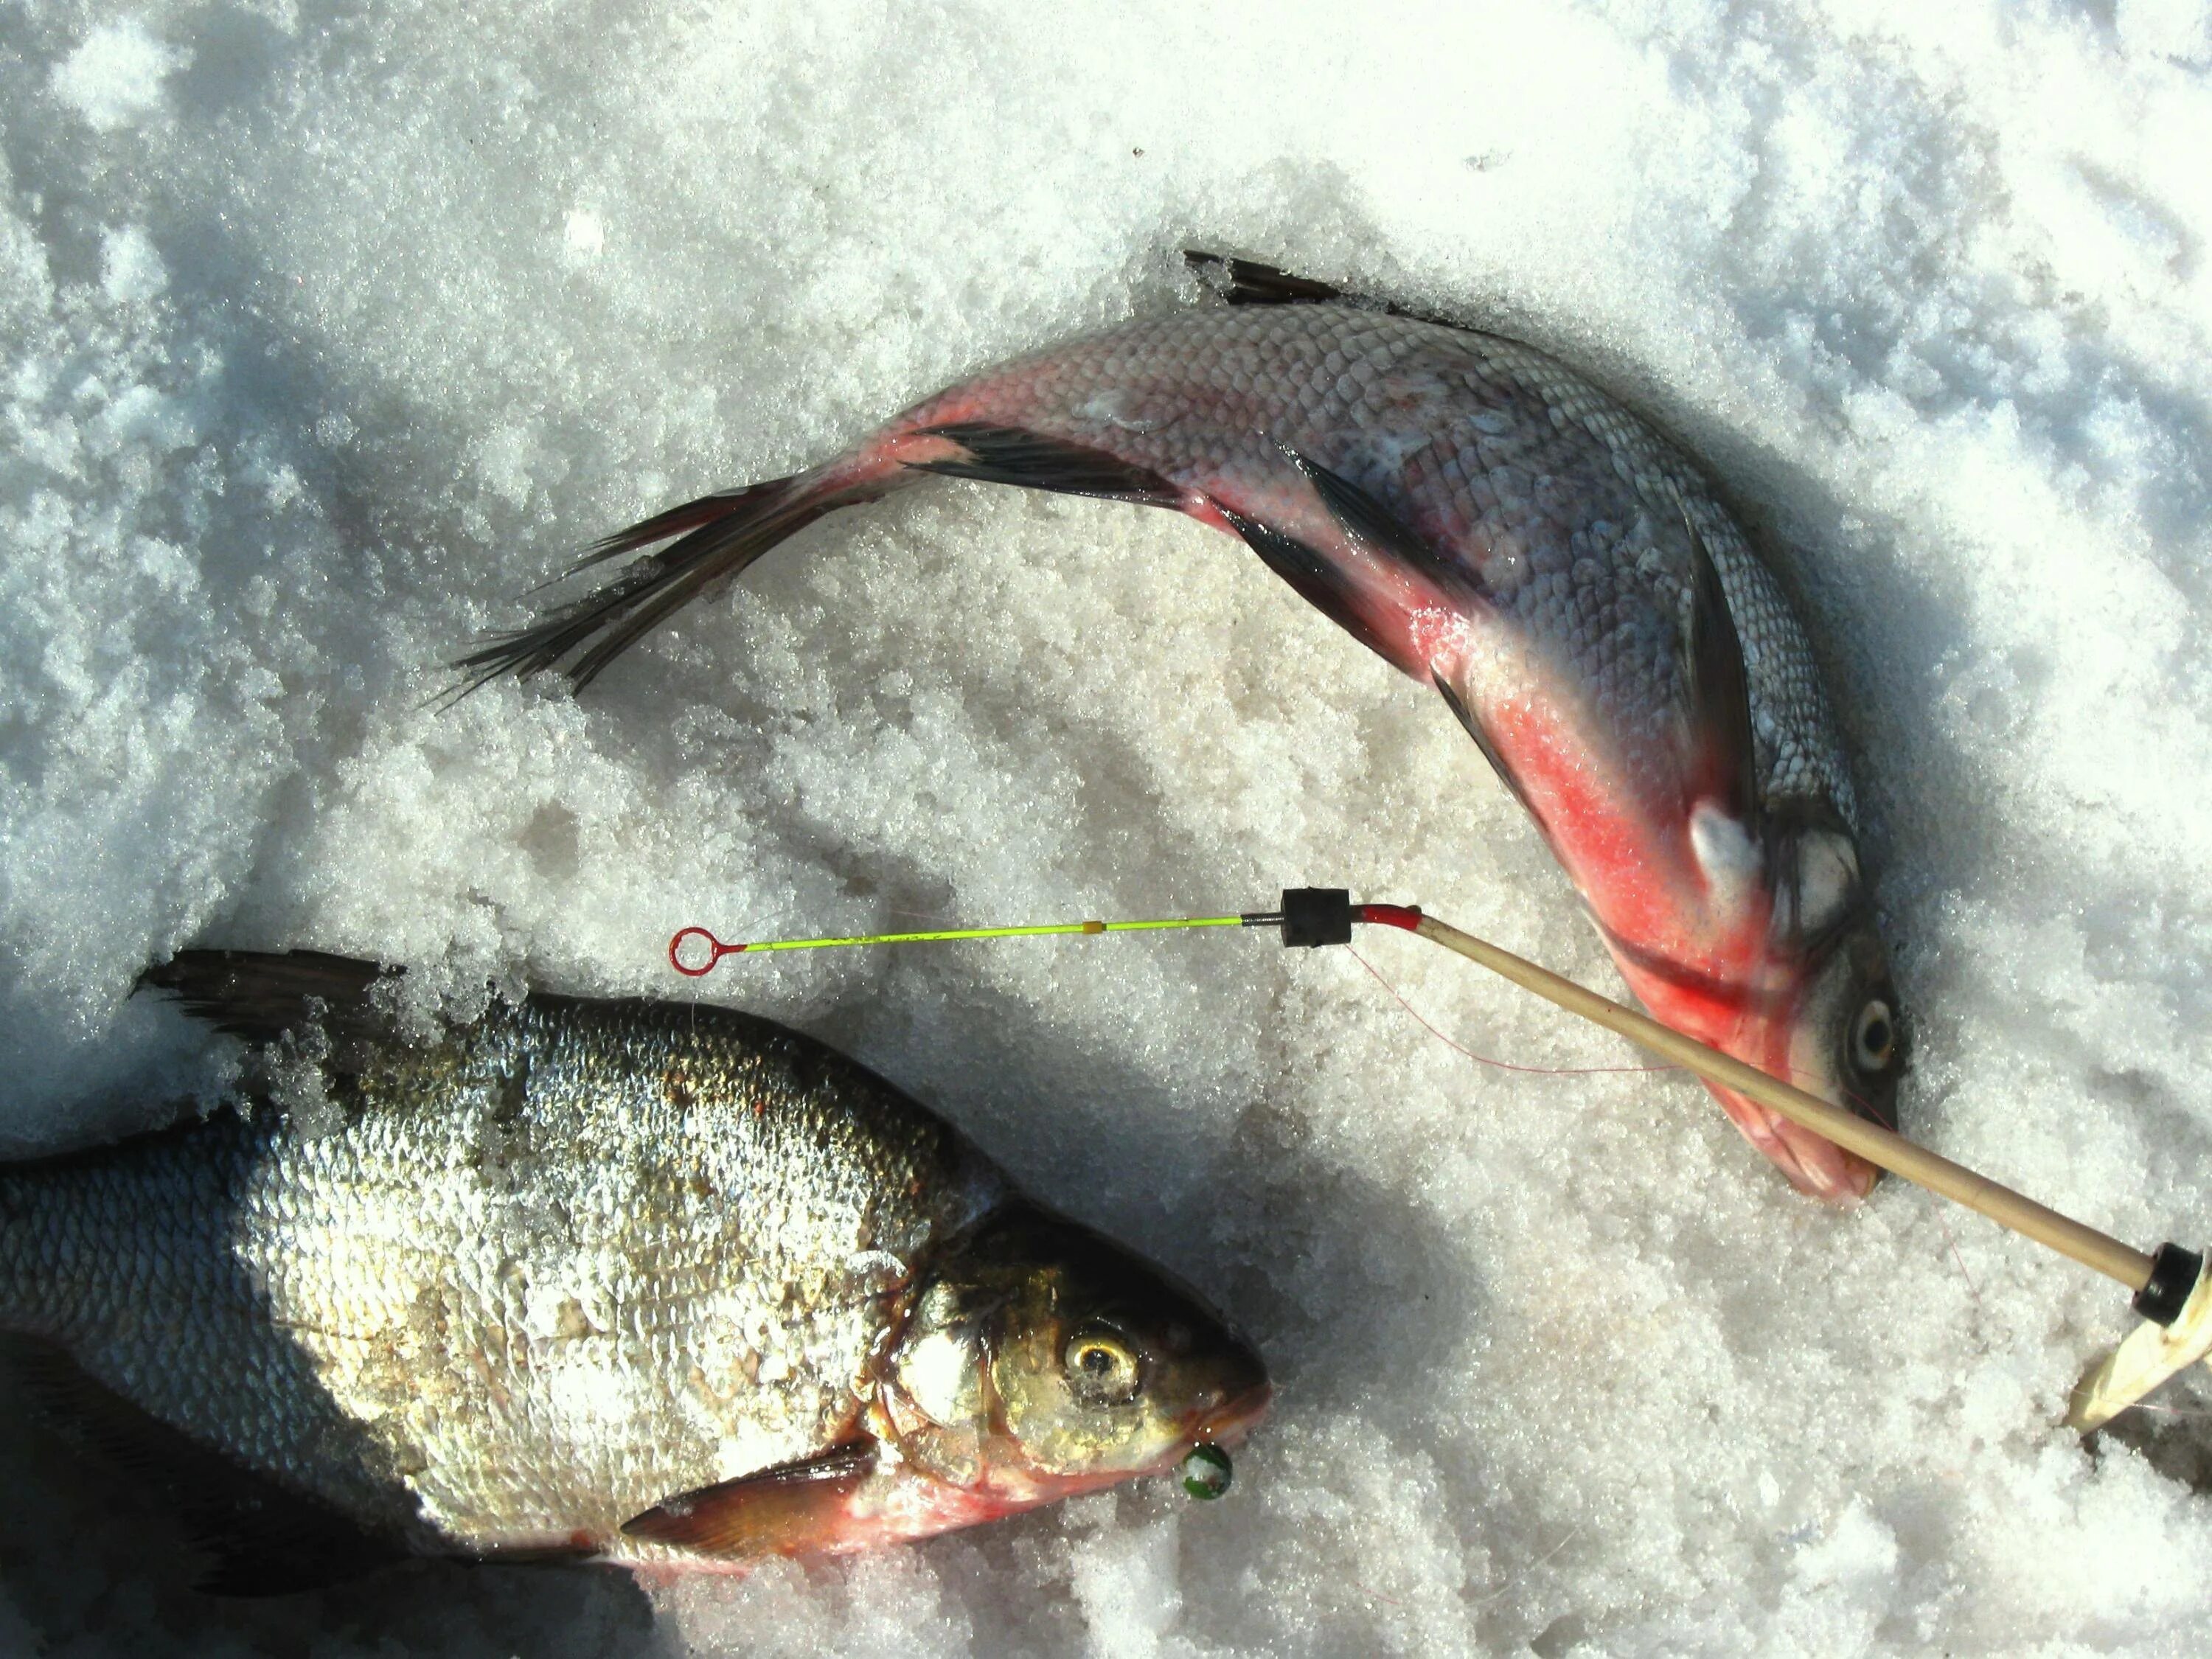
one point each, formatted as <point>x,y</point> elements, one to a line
<point>715,538</point>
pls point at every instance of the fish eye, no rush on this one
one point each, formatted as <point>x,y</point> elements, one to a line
<point>1101,1370</point>
<point>1874,1037</point>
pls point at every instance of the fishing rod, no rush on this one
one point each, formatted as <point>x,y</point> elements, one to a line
<point>2170,1286</point>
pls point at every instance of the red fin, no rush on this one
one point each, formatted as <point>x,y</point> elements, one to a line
<point>790,1508</point>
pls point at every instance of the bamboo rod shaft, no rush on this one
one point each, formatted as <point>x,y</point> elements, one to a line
<point>1871,1141</point>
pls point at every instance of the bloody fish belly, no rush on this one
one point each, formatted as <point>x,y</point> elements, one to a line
<point>1488,523</point>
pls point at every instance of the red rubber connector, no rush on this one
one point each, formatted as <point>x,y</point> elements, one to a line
<point>1407,916</point>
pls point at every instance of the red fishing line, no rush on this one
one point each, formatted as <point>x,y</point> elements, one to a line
<point>1481,1060</point>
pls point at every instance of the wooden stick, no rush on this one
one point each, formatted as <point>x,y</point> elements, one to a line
<point>1869,1141</point>
<point>2150,1354</point>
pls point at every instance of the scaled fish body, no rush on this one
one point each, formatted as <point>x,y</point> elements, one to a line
<point>633,1282</point>
<point>1491,524</point>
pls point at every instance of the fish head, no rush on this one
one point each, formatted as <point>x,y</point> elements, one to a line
<point>1846,1040</point>
<point>1041,1359</point>
<point>1828,1018</point>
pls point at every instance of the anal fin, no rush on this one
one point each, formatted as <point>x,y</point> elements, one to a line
<point>1033,461</point>
<point>266,1539</point>
<point>789,1509</point>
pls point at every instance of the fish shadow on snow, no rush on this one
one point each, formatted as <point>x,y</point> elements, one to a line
<point>89,1551</point>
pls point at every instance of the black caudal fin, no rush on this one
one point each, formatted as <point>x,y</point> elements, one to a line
<point>1725,767</point>
<point>260,995</point>
<point>717,536</point>
<point>1014,455</point>
<point>266,1539</point>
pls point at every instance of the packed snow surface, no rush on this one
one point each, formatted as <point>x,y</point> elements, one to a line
<point>329,329</point>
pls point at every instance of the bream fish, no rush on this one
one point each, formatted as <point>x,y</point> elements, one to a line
<point>637,1282</point>
<point>1491,523</point>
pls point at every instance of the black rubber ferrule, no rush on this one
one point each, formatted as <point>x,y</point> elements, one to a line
<point>2174,1274</point>
<point>1317,915</point>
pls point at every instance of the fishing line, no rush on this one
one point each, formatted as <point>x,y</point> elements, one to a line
<point>690,941</point>
<point>1949,1237</point>
<point>2171,1286</point>
<point>1484,1059</point>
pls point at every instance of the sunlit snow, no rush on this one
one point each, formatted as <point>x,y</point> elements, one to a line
<point>329,330</point>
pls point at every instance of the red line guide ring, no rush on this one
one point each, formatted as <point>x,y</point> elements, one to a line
<point>715,949</point>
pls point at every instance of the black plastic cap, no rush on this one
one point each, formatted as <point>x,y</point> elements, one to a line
<point>2174,1274</point>
<point>1317,915</point>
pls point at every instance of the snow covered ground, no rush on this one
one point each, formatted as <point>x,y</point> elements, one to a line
<point>328,329</point>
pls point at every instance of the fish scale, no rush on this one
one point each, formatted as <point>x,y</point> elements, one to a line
<point>1580,541</point>
<point>392,1319</point>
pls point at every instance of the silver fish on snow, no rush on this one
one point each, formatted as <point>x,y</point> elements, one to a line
<point>631,1281</point>
<point>1492,525</point>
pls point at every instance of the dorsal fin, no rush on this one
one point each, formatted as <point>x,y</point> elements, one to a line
<point>261,994</point>
<point>1248,283</point>
<point>266,1539</point>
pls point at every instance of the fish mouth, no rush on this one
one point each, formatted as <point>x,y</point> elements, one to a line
<point>1231,1421</point>
<point>1814,1166</point>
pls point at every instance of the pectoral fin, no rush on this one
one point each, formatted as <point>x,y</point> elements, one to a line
<point>1724,766</point>
<point>789,1508</point>
<point>1483,741</point>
